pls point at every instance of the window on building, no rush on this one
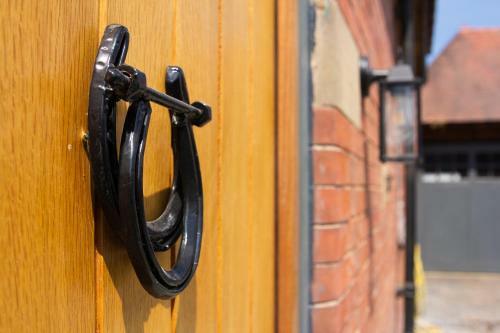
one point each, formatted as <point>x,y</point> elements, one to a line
<point>443,163</point>
<point>488,164</point>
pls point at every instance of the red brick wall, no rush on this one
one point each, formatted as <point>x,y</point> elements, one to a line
<point>357,264</point>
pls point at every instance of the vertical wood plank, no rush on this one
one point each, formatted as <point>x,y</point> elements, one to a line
<point>262,114</point>
<point>196,51</point>
<point>126,305</point>
<point>288,218</point>
<point>235,83</point>
<point>47,235</point>
<point>247,71</point>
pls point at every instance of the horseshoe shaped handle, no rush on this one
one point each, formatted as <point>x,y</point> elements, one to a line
<point>117,182</point>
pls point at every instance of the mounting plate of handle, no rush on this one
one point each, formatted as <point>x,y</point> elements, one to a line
<point>117,179</point>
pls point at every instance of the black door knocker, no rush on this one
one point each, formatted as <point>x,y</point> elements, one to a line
<point>117,181</point>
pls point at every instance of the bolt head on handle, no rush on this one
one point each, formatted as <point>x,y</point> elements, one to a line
<point>204,117</point>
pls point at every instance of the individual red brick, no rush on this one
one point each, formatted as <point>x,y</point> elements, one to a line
<point>367,327</point>
<point>330,281</point>
<point>357,170</point>
<point>331,204</point>
<point>374,174</point>
<point>377,218</point>
<point>347,320</point>
<point>357,142</point>
<point>350,271</point>
<point>372,107</point>
<point>374,98</point>
<point>329,244</point>
<point>329,319</point>
<point>375,199</point>
<point>354,316</point>
<point>351,234</point>
<point>358,201</point>
<point>332,127</point>
<point>355,263</point>
<point>364,285</point>
<point>363,252</point>
<point>371,129</point>
<point>331,167</point>
<point>359,227</point>
<point>373,153</point>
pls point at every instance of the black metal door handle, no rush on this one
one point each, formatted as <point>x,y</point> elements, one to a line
<point>117,183</point>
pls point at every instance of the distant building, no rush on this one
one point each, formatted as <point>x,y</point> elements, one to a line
<point>460,189</point>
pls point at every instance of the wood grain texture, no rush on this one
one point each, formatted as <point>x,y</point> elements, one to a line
<point>288,215</point>
<point>235,170</point>
<point>262,143</point>
<point>47,242</point>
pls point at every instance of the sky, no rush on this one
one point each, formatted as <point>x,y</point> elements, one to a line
<point>450,15</point>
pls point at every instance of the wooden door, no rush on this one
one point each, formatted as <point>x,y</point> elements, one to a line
<point>62,268</point>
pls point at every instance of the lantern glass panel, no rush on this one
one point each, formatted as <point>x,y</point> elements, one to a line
<point>400,117</point>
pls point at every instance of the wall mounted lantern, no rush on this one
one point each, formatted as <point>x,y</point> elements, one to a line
<point>399,110</point>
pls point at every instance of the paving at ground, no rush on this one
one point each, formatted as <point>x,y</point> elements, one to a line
<point>460,303</point>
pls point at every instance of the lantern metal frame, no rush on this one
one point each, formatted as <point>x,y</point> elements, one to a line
<point>399,75</point>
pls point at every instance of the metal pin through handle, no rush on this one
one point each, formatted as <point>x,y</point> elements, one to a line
<point>130,84</point>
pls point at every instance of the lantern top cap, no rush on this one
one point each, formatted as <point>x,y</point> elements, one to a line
<point>401,73</point>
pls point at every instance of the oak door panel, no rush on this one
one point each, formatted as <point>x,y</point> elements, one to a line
<point>47,228</point>
<point>66,271</point>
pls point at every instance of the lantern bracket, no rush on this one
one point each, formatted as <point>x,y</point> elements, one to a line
<point>369,75</point>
